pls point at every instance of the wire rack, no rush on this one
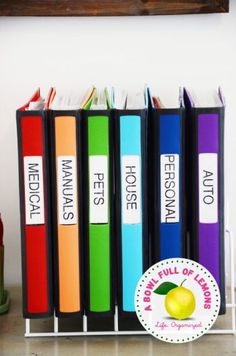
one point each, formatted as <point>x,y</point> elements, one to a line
<point>230,309</point>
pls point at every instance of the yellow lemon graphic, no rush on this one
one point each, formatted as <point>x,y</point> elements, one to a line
<point>180,303</point>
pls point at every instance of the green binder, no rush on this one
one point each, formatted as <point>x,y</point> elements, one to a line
<point>99,233</point>
<point>99,186</point>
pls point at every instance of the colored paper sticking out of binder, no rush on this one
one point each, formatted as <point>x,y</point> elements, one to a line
<point>130,156</point>
<point>205,128</point>
<point>99,198</point>
<point>33,147</point>
<point>167,184</point>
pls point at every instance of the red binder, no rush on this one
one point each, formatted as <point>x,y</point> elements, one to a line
<point>33,148</point>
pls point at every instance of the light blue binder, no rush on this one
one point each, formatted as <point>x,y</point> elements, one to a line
<point>131,234</point>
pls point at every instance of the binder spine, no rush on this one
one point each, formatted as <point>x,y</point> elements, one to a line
<point>99,215</point>
<point>33,148</point>
<point>221,211</point>
<point>68,245</point>
<point>168,182</point>
<point>209,125</point>
<point>131,204</point>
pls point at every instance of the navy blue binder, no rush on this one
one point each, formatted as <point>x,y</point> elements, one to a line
<point>166,177</point>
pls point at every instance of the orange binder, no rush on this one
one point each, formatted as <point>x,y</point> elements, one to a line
<point>66,204</point>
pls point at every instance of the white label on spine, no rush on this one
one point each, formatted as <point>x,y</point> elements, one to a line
<point>34,190</point>
<point>67,190</point>
<point>169,188</point>
<point>131,189</point>
<point>98,189</point>
<point>208,185</point>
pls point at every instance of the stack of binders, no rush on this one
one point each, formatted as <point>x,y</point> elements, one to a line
<point>110,184</point>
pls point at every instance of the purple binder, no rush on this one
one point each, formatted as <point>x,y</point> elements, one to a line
<point>205,182</point>
<point>208,233</point>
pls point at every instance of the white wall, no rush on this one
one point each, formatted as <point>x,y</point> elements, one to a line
<point>198,51</point>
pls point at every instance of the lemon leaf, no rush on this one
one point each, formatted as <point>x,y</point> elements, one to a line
<point>164,288</point>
